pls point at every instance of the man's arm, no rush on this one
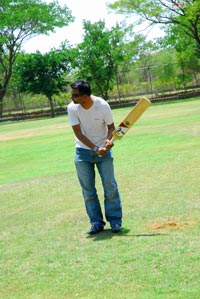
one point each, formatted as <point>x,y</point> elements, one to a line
<point>107,145</point>
<point>78,132</point>
<point>110,130</point>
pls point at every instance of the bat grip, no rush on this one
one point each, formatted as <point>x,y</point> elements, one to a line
<point>112,140</point>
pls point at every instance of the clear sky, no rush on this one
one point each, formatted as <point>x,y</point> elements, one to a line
<point>92,10</point>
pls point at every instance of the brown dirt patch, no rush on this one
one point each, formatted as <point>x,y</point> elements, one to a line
<point>13,137</point>
<point>172,224</point>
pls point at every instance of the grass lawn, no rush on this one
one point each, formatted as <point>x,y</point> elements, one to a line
<point>45,251</point>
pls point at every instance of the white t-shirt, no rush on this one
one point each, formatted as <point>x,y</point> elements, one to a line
<point>93,121</point>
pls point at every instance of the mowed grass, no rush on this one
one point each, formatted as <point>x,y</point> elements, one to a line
<point>45,251</point>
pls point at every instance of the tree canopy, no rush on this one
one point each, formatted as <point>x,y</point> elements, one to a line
<point>20,20</point>
<point>100,55</point>
<point>43,74</point>
<point>182,14</point>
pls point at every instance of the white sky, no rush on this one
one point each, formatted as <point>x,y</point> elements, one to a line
<point>91,10</point>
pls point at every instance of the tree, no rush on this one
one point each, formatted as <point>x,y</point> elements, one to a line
<point>99,55</point>
<point>20,20</point>
<point>43,74</point>
<point>187,55</point>
<point>182,14</point>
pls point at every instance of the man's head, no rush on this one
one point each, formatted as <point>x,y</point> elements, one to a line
<point>81,92</point>
<point>82,87</point>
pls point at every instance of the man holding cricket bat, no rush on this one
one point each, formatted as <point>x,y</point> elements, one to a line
<point>92,122</point>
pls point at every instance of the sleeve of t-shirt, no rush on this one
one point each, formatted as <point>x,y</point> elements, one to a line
<point>73,116</point>
<point>108,115</point>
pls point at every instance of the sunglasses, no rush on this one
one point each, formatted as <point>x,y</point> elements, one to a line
<point>76,95</point>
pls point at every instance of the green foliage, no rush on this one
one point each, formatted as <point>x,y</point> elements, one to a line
<point>20,20</point>
<point>168,13</point>
<point>99,56</point>
<point>42,73</point>
<point>186,54</point>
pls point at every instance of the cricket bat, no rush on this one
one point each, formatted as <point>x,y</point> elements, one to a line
<point>130,119</point>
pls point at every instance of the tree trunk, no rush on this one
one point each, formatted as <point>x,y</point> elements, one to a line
<point>2,93</point>
<point>51,106</point>
<point>5,78</point>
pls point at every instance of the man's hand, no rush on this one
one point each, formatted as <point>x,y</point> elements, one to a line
<point>107,146</point>
<point>101,151</point>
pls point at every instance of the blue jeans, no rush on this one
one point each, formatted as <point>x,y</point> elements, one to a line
<point>85,162</point>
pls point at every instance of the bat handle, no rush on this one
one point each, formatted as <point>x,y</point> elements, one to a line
<point>112,140</point>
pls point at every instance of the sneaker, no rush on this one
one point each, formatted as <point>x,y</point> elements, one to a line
<point>96,228</point>
<point>115,227</point>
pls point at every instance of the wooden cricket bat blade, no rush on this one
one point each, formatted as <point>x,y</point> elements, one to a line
<point>130,118</point>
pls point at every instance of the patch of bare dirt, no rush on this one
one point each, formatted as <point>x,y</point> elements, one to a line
<point>13,137</point>
<point>172,224</point>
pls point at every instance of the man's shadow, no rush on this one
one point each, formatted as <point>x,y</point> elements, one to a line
<point>108,234</point>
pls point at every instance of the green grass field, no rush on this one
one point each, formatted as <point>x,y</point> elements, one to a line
<point>45,251</point>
